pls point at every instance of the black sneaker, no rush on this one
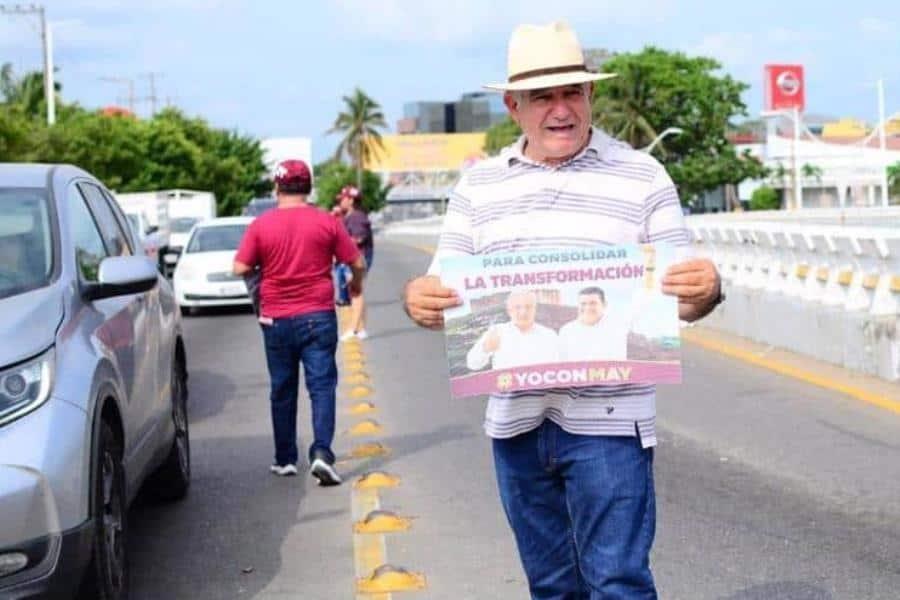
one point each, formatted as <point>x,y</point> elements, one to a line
<point>322,468</point>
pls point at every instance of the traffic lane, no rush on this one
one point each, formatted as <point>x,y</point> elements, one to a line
<point>459,539</point>
<point>728,531</point>
<point>241,532</point>
<point>729,528</point>
<point>824,442</point>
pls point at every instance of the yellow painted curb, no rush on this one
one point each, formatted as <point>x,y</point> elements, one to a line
<point>872,398</point>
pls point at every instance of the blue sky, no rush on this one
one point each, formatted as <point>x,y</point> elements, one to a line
<point>279,68</point>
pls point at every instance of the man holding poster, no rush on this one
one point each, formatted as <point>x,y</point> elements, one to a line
<point>573,464</point>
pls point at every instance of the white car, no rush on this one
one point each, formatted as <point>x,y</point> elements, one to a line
<point>204,274</point>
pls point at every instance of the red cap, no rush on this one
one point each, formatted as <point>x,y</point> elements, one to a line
<point>348,191</point>
<point>292,172</point>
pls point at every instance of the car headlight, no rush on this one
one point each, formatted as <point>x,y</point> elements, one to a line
<point>25,387</point>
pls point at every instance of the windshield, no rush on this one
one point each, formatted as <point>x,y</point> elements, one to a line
<point>26,244</point>
<point>216,238</point>
<point>182,224</point>
<point>258,207</point>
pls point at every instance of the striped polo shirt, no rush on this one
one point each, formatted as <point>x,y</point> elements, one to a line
<point>609,194</point>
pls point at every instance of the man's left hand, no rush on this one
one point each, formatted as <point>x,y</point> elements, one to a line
<point>695,282</point>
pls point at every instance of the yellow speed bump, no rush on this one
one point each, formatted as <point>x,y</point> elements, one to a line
<point>357,378</point>
<point>382,521</point>
<point>367,427</point>
<point>355,366</point>
<point>352,354</point>
<point>370,450</point>
<point>375,480</point>
<point>360,391</point>
<point>388,578</point>
<point>363,408</point>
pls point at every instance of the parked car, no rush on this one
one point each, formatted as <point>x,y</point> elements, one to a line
<point>93,396</point>
<point>204,275</point>
<point>258,206</point>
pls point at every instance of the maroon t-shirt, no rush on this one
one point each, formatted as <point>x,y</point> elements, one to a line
<point>295,249</point>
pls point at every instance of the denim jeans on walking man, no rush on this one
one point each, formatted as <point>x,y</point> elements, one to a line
<point>310,339</point>
<point>583,511</point>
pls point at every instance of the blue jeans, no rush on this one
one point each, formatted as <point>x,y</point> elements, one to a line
<point>311,339</point>
<point>583,511</point>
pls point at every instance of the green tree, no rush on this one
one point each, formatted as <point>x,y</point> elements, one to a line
<point>893,173</point>
<point>501,135</point>
<point>332,175</point>
<point>359,123</point>
<point>656,89</point>
<point>26,92</point>
<point>14,134</point>
<point>765,198</point>
<point>811,172</point>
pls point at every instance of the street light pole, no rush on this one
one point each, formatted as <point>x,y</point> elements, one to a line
<point>885,196</point>
<point>793,114</point>
<point>659,138</point>
<point>36,9</point>
<point>798,189</point>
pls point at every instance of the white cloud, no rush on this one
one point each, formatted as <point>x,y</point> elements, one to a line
<point>743,53</point>
<point>878,28</point>
<point>467,20</point>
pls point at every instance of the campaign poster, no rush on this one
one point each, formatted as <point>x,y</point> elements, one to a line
<point>563,318</point>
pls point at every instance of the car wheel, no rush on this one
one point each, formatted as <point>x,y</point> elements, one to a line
<point>173,478</point>
<point>108,575</point>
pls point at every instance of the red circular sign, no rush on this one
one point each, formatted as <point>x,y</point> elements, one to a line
<point>788,83</point>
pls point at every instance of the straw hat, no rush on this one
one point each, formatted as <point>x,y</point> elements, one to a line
<point>543,56</point>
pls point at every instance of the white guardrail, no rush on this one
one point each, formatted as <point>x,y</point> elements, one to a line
<point>825,283</point>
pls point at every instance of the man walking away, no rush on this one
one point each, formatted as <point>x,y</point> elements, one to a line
<point>295,246</point>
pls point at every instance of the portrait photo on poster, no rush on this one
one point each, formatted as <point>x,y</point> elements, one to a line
<point>561,318</point>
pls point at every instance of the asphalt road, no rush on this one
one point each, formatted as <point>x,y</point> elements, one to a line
<point>767,488</point>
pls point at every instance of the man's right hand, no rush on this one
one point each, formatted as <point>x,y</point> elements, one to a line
<point>425,299</point>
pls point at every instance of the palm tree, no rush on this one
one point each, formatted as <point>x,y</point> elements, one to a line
<point>622,110</point>
<point>26,92</point>
<point>359,123</point>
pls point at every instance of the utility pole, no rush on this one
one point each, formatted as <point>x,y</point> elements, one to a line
<point>46,45</point>
<point>152,97</point>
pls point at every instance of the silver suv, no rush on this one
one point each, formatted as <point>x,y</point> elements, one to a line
<point>93,395</point>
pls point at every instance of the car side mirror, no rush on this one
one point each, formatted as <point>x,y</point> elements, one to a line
<point>122,275</point>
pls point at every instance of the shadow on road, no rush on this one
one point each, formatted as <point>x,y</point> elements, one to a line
<point>782,590</point>
<point>233,545</point>
<point>404,445</point>
<point>208,393</point>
